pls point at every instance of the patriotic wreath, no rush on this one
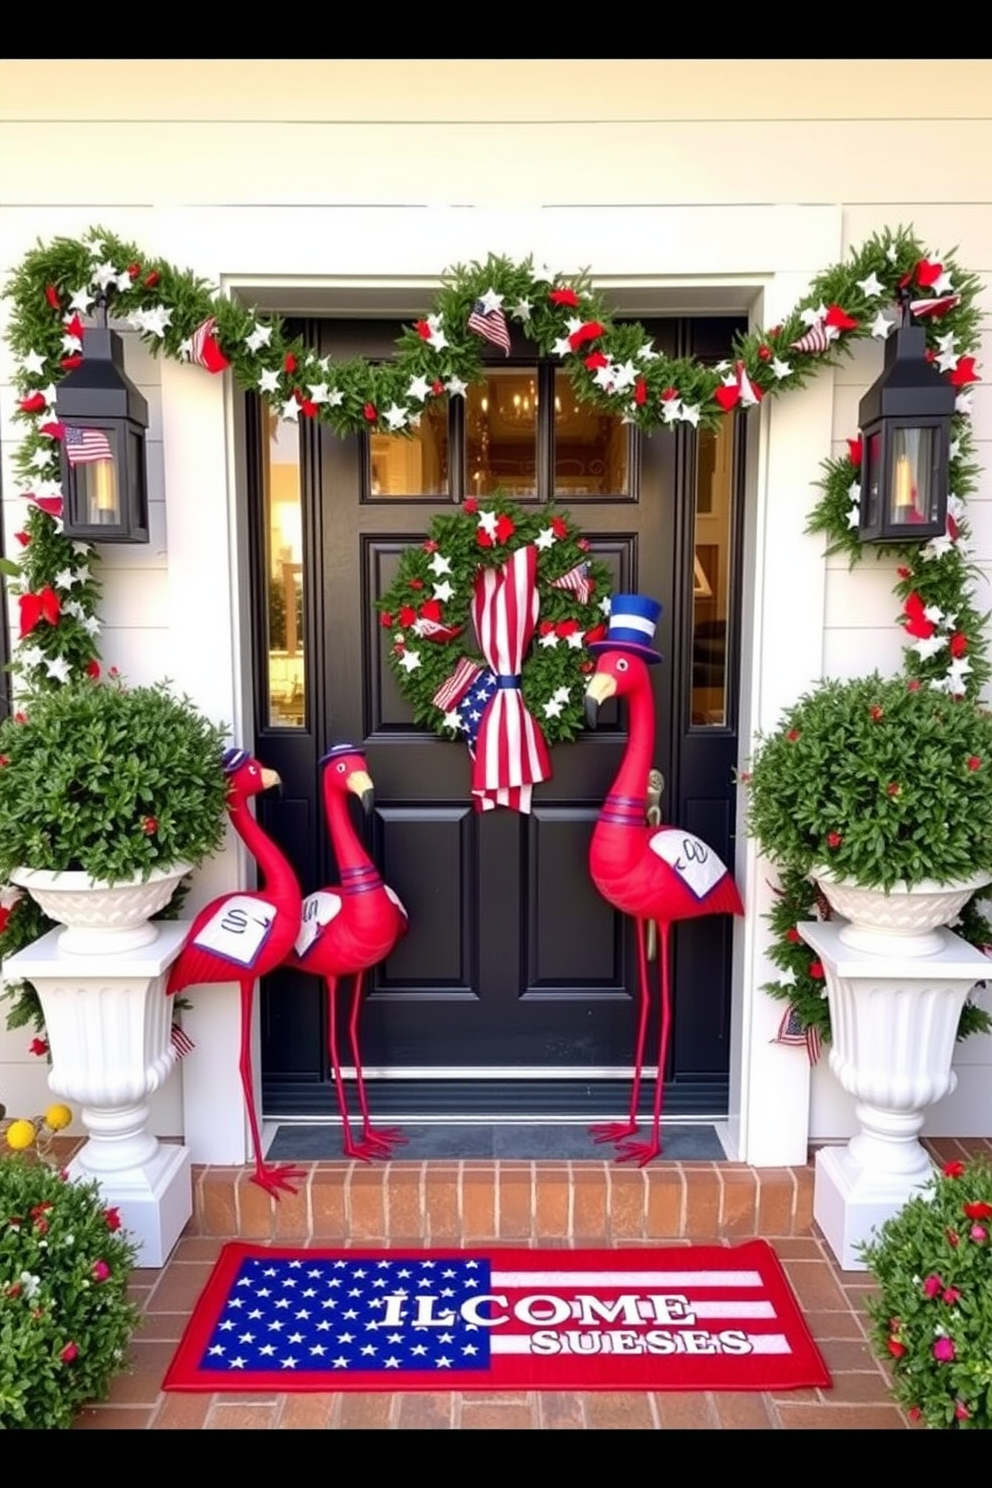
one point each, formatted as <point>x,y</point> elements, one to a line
<point>497,601</point>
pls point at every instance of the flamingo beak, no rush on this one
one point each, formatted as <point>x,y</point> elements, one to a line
<point>361,784</point>
<point>601,687</point>
<point>270,778</point>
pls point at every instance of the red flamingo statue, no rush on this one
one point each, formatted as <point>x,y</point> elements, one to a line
<point>242,936</point>
<point>348,928</point>
<point>653,873</point>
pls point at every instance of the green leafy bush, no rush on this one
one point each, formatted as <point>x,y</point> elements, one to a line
<point>932,1317</point>
<point>65,1316</point>
<point>881,780</point>
<point>113,780</point>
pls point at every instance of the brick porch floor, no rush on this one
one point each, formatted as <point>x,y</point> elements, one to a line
<point>590,1204</point>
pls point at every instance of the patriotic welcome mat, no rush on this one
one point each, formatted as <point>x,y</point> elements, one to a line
<point>698,1318</point>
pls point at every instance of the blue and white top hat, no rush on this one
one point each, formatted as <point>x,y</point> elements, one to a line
<point>633,618</point>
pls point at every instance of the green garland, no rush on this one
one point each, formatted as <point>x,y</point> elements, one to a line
<point>613,367</point>
<point>553,676</point>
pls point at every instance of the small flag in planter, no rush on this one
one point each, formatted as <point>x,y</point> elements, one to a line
<point>182,1044</point>
<point>791,1031</point>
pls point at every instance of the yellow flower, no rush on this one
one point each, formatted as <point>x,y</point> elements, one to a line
<point>56,1117</point>
<point>20,1135</point>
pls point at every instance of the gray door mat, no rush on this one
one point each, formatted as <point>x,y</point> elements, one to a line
<point>303,1142</point>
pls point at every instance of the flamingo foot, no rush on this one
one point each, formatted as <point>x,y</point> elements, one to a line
<point>272,1180</point>
<point>613,1131</point>
<point>640,1153</point>
<point>386,1137</point>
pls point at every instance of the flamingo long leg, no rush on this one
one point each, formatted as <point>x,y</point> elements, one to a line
<point>376,1143</point>
<point>616,1131</point>
<point>351,1149</point>
<point>269,1178</point>
<point>643,1152</point>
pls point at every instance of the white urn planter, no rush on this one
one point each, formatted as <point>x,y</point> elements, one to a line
<point>904,920</point>
<point>101,918</point>
<point>101,980</point>
<point>897,980</point>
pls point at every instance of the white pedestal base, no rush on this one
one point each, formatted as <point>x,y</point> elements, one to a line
<point>155,1200</point>
<point>849,1201</point>
<point>109,1024</point>
<point>893,1023</point>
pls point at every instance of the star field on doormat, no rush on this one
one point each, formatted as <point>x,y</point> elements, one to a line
<point>679,1318</point>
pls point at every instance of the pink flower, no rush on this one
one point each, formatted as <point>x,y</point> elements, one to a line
<point>100,1270</point>
<point>943,1350</point>
<point>951,1295</point>
<point>978,1233</point>
<point>914,1413</point>
<point>932,1285</point>
<point>113,1218</point>
<point>69,1353</point>
<point>961,1411</point>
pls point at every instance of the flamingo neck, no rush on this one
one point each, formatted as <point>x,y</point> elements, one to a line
<point>625,804</point>
<point>274,868</point>
<point>358,874</point>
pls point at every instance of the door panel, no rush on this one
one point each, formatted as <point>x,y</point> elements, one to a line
<point>512,959</point>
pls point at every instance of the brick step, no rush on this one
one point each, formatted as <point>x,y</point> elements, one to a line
<point>459,1203</point>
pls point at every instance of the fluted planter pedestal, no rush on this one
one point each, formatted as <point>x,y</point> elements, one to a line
<point>109,1027</point>
<point>893,1018</point>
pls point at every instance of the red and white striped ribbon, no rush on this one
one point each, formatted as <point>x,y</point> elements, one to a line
<point>815,339</point>
<point>511,753</point>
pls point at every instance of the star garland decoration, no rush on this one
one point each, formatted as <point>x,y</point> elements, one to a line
<point>426,611</point>
<point>613,367</point>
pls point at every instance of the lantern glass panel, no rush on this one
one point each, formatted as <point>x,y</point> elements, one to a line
<point>915,462</point>
<point>871,493</point>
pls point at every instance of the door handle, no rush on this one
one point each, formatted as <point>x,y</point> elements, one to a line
<point>656,785</point>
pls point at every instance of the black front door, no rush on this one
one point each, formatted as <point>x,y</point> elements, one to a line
<point>516,981</point>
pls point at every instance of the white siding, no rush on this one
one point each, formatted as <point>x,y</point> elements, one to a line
<point>675,183</point>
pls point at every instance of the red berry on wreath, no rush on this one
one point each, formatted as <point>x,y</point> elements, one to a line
<point>386,620</point>
<point>471,506</point>
<point>416,583</point>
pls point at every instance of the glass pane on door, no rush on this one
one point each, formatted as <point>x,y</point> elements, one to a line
<point>415,464</point>
<point>592,448</point>
<point>284,570</point>
<point>501,433</point>
<point>711,573</point>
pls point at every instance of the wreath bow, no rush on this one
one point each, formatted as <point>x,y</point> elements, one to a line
<point>511,753</point>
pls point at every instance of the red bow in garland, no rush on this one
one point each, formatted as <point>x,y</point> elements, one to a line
<point>41,606</point>
<point>917,623</point>
<point>590,331</point>
<point>427,622</point>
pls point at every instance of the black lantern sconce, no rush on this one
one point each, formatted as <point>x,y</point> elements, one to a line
<point>905,420</point>
<point>104,483</point>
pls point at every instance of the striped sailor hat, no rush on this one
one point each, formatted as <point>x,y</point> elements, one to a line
<point>633,618</point>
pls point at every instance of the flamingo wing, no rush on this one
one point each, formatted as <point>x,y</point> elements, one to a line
<point>224,941</point>
<point>701,882</point>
